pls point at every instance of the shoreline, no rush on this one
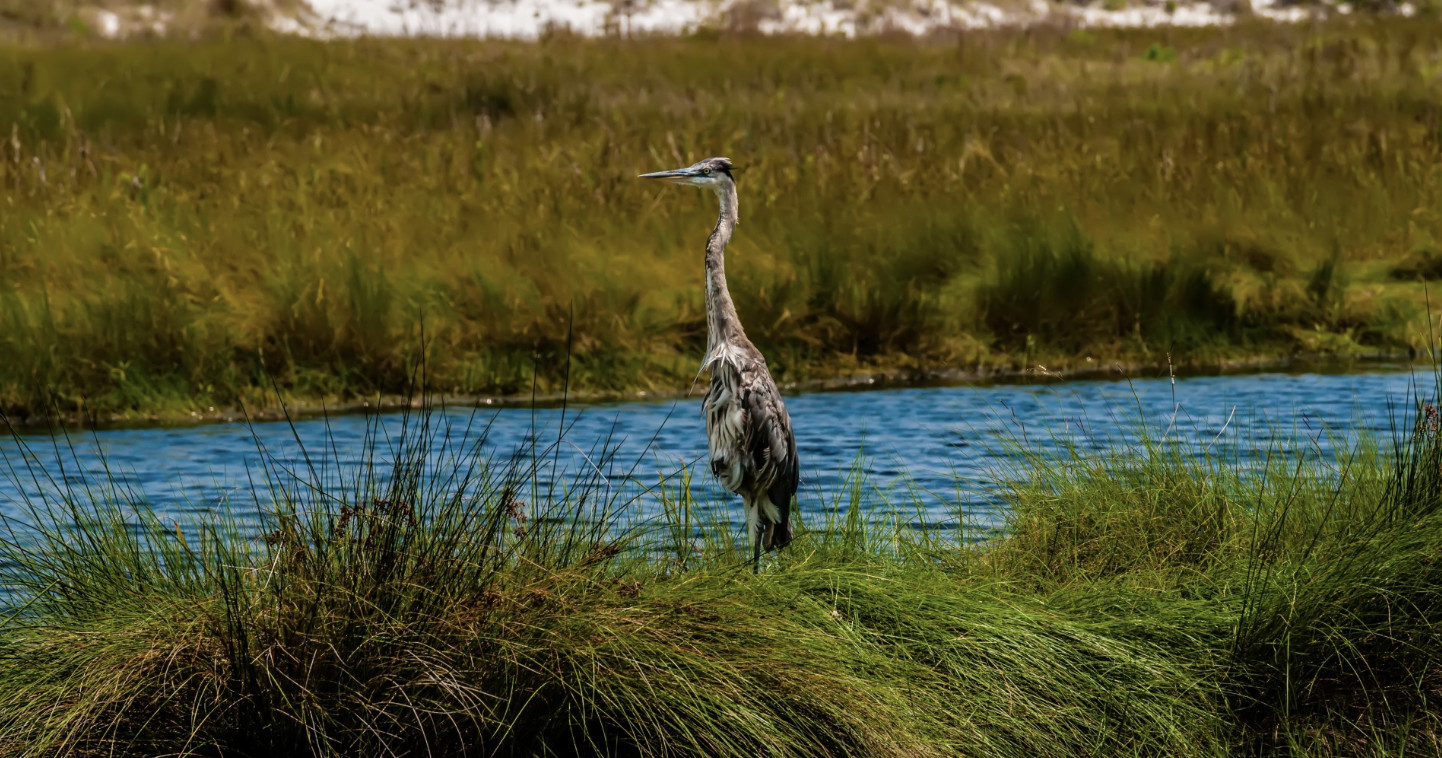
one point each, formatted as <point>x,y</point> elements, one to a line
<point>860,381</point>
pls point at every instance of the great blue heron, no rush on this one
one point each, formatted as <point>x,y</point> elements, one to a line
<point>753,452</point>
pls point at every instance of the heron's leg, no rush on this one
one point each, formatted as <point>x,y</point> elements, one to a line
<point>756,539</point>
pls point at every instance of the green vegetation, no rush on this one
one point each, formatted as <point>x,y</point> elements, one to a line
<point>182,224</point>
<point>1159,602</point>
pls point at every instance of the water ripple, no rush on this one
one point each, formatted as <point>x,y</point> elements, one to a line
<point>940,447</point>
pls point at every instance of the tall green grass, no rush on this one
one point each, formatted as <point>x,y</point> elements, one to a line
<point>1159,600</point>
<point>1323,566</point>
<point>184,223</point>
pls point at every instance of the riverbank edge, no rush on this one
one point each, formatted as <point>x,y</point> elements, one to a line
<point>881,377</point>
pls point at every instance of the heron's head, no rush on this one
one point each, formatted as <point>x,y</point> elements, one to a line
<point>712,173</point>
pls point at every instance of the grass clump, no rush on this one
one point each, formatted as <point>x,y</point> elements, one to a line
<point>1157,599</point>
<point>1323,567</point>
<point>420,606</point>
<point>185,222</point>
<point>1063,295</point>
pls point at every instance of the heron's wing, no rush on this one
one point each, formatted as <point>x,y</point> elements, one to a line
<point>771,444</point>
<point>727,430</point>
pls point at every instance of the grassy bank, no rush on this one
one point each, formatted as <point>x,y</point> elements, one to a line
<point>1156,602</point>
<point>184,223</point>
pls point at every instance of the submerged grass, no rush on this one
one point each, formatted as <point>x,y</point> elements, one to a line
<point>440,599</point>
<point>183,223</point>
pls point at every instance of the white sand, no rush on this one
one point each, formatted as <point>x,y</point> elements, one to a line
<point>528,19</point>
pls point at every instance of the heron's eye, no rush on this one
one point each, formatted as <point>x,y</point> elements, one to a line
<point>706,171</point>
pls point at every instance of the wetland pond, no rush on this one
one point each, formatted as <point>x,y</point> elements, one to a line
<point>930,455</point>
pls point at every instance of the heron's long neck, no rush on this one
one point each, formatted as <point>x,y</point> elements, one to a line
<point>722,324</point>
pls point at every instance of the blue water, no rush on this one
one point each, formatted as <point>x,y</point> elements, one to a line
<point>947,448</point>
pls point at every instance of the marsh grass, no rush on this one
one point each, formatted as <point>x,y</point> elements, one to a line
<point>423,604</point>
<point>1323,564</point>
<point>1152,598</point>
<point>183,222</point>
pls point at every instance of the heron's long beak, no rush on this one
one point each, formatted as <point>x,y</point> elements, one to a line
<point>675,175</point>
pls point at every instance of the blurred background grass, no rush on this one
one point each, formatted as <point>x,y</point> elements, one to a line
<point>184,221</point>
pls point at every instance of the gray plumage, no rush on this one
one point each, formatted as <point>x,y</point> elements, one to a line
<point>753,452</point>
